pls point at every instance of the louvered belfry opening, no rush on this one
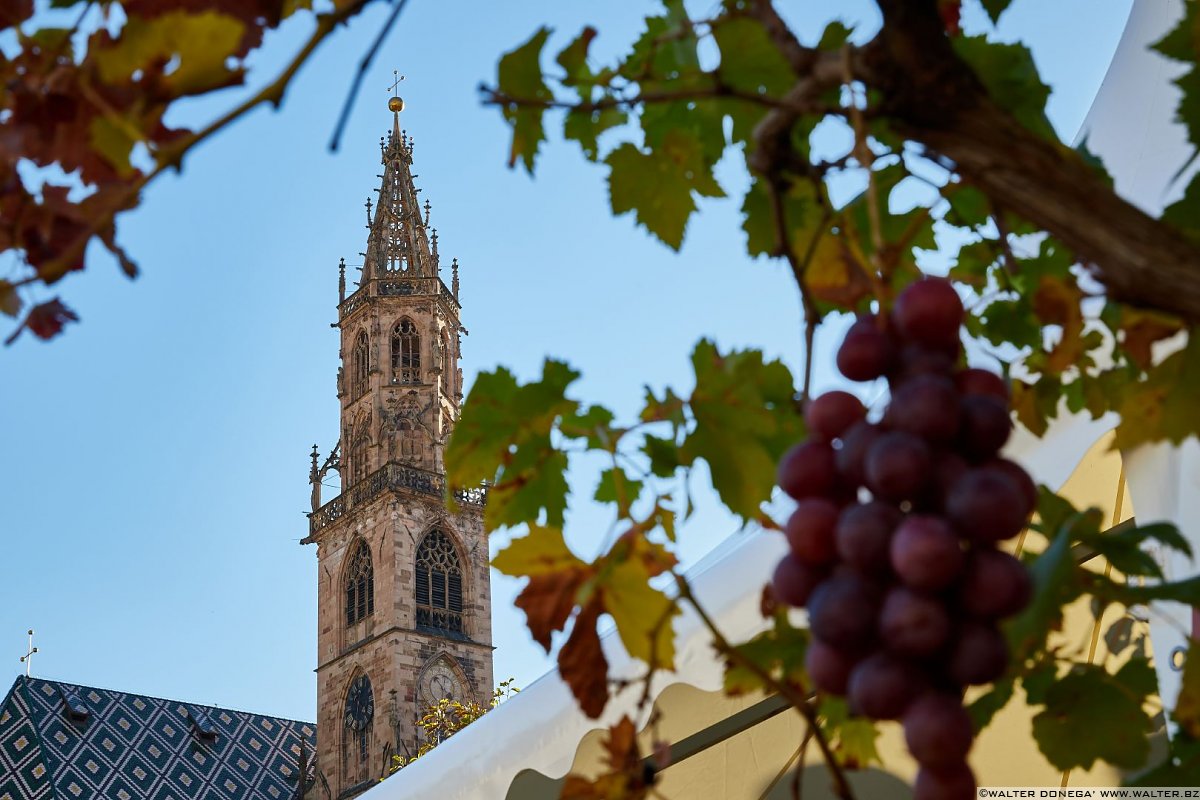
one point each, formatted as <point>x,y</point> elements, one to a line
<point>361,366</point>
<point>360,586</point>
<point>439,585</point>
<point>406,353</point>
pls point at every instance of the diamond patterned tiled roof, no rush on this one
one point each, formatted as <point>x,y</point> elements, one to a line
<point>132,747</point>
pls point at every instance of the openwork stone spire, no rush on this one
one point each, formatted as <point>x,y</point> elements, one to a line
<point>398,244</point>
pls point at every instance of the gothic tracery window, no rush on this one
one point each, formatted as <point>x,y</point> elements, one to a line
<point>406,353</point>
<point>360,585</point>
<point>439,585</point>
<point>361,366</point>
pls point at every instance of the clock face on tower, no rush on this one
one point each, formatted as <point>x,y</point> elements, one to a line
<point>440,683</point>
<point>360,705</point>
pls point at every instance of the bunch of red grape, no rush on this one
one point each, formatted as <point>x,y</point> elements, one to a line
<point>894,541</point>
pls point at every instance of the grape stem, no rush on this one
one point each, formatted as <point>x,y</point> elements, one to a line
<point>797,698</point>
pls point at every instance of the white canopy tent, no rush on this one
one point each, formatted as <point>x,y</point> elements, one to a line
<point>1131,127</point>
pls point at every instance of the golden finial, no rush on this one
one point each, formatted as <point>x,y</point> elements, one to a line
<point>395,103</point>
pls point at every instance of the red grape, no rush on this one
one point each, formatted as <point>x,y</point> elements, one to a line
<point>913,624</point>
<point>929,312</point>
<point>916,360</point>
<point>828,667</point>
<point>927,406</point>
<point>897,466</point>
<point>925,553</point>
<point>807,470</point>
<point>975,381</point>
<point>994,584</point>
<point>904,592</point>
<point>979,655</point>
<point>949,783</point>
<point>842,611</point>
<point>938,730</point>
<point>794,581</point>
<point>864,533</point>
<point>985,426</point>
<point>851,458</point>
<point>810,531</point>
<point>829,415</point>
<point>986,505</point>
<point>866,352</point>
<point>882,686</point>
<point>1015,471</point>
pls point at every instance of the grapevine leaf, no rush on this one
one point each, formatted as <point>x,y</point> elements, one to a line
<point>504,437</point>
<point>573,60</point>
<point>114,143</point>
<point>555,577</point>
<point>800,209</point>
<point>585,127</point>
<point>852,739</point>
<point>1055,583</point>
<point>777,651</point>
<point>1056,302</point>
<point>520,77</point>
<point>198,43</point>
<point>1141,329</point>
<point>985,707</point>
<point>995,8</point>
<point>663,454</point>
<point>1184,213</point>
<point>625,776</point>
<point>1009,74</point>
<point>582,664</point>
<point>659,185</point>
<point>834,274</point>
<point>616,487</point>
<point>745,421</point>
<point>1163,406</point>
<point>750,61</point>
<point>10,301</point>
<point>1182,43</point>
<point>969,207</point>
<point>642,613</point>
<point>1091,715</point>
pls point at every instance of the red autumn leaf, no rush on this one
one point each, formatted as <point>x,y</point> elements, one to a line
<point>548,601</point>
<point>951,11</point>
<point>582,664</point>
<point>626,779</point>
<point>14,12</point>
<point>45,320</point>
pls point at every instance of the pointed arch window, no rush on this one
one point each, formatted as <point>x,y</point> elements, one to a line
<point>360,586</point>
<point>361,367</point>
<point>439,585</point>
<point>406,353</point>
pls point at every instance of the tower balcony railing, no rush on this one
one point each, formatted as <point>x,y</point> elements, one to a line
<point>397,284</point>
<point>392,476</point>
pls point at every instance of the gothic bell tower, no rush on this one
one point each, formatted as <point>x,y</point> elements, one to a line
<point>404,602</point>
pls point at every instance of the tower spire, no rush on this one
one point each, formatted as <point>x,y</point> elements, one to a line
<point>398,243</point>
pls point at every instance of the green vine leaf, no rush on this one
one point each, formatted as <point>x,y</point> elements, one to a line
<point>659,185</point>
<point>745,419</point>
<point>520,76</point>
<point>1091,715</point>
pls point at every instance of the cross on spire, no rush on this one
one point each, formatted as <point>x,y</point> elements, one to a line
<point>27,659</point>
<point>398,77</point>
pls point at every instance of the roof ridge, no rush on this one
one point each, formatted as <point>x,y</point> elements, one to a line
<point>80,686</point>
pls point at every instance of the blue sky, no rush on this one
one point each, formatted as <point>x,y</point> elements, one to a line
<point>154,492</point>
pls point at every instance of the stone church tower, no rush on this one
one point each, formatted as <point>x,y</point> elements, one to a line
<point>404,604</point>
